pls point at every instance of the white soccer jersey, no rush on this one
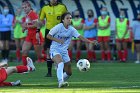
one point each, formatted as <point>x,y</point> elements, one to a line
<point>60,32</point>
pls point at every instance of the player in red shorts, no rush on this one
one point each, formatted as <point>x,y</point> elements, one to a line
<point>104,32</point>
<point>6,71</point>
<point>34,37</point>
<point>90,32</point>
<point>122,36</point>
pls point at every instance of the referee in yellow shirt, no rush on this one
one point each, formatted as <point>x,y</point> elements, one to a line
<point>52,12</point>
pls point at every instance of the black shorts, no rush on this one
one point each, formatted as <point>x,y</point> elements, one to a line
<point>47,41</point>
<point>137,41</point>
<point>5,35</point>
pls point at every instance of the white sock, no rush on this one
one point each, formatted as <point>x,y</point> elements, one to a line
<point>65,76</point>
<point>60,72</point>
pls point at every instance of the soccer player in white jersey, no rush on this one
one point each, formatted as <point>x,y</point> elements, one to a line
<point>61,36</point>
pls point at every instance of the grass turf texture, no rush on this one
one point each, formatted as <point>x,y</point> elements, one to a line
<point>101,78</point>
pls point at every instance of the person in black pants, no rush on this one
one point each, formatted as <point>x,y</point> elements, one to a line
<point>53,17</point>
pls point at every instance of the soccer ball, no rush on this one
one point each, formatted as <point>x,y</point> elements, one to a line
<point>83,65</point>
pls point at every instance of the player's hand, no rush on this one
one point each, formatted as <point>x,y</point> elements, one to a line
<point>95,42</point>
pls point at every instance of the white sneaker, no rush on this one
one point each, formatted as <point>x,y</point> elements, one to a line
<point>3,63</point>
<point>137,62</point>
<point>16,83</point>
<point>63,84</point>
<point>30,63</point>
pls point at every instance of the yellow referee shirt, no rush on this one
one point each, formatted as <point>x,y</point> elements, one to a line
<point>52,14</point>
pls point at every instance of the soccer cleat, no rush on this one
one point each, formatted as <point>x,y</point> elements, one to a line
<point>4,64</point>
<point>30,63</point>
<point>63,84</point>
<point>16,83</point>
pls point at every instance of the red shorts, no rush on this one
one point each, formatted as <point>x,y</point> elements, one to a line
<point>3,76</point>
<point>31,37</point>
<point>122,40</point>
<point>103,38</point>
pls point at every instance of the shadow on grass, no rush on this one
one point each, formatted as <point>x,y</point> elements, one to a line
<point>77,85</point>
<point>72,86</point>
<point>54,86</point>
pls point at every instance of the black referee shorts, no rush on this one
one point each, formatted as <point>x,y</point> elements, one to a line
<point>47,41</point>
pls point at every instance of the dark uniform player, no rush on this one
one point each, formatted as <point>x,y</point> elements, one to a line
<point>52,12</point>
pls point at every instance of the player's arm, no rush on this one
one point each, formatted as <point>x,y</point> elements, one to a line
<point>98,26</point>
<point>52,32</point>
<point>86,40</point>
<point>77,35</point>
<point>80,26</point>
<point>108,25</point>
<point>55,39</point>
<point>90,27</point>
<point>42,16</point>
<point>33,25</point>
<point>104,27</point>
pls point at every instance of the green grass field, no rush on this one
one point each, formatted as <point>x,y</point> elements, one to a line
<point>101,78</point>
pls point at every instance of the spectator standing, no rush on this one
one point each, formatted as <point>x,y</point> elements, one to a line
<point>6,21</point>
<point>34,37</point>
<point>136,36</point>
<point>122,36</point>
<point>90,32</point>
<point>104,32</point>
<point>19,35</point>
